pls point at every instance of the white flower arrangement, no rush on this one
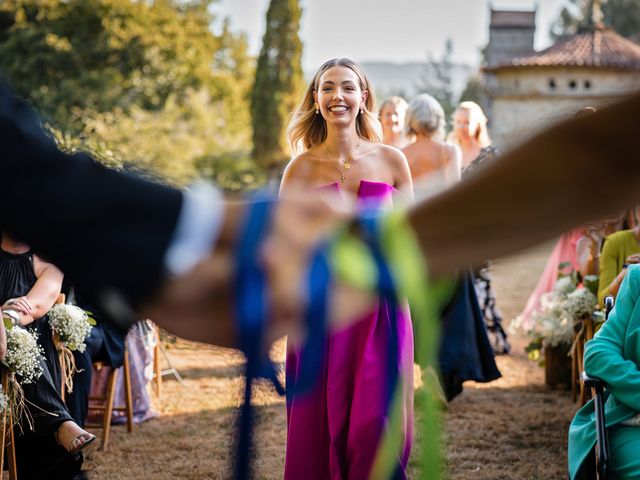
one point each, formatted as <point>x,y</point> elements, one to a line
<point>579,304</point>
<point>564,285</point>
<point>550,322</point>
<point>72,324</point>
<point>559,311</point>
<point>24,355</point>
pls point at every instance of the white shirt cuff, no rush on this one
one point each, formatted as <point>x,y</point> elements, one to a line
<point>197,229</point>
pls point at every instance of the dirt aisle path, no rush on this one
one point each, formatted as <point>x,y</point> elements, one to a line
<point>513,428</point>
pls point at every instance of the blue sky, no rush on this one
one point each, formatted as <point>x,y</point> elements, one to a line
<point>395,30</point>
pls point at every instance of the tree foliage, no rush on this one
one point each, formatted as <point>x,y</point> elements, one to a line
<point>623,16</point>
<point>437,80</point>
<point>474,90</point>
<point>278,83</point>
<point>141,81</point>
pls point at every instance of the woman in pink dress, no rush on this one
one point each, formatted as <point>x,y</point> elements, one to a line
<point>334,430</point>
<point>563,252</point>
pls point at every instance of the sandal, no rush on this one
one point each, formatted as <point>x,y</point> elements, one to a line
<point>78,443</point>
<point>81,442</point>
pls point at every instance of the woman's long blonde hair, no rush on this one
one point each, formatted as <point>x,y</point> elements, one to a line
<point>476,114</point>
<point>307,129</point>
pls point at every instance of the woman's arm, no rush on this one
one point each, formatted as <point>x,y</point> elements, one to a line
<point>610,277</point>
<point>401,172</point>
<point>42,295</point>
<point>584,257</point>
<point>3,340</point>
<point>453,165</point>
<point>604,355</point>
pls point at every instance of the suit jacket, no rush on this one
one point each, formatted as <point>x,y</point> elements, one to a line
<point>106,230</point>
<point>613,356</point>
<point>113,337</point>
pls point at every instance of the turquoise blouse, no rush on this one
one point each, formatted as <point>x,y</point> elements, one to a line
<point>613,356</point>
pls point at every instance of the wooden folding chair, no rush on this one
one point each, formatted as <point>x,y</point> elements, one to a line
<point>107,406</point>
<point>578,390</point>
<point>7,437</point>
<point>158,371</point>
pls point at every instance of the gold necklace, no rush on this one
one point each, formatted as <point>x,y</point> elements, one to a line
<point>346,164</point>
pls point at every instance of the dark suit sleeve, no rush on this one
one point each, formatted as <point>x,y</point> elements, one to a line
<point>106,230</point>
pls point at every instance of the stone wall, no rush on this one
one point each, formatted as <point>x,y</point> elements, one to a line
<point>525,101</point>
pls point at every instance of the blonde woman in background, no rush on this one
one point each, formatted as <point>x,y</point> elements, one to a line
<point>392,115</point>
<point>469,131</point>
<point>434,164</point>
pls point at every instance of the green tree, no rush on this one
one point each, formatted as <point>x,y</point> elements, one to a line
<point>140,81</point>
<point>623,16</point>
<point>278,83</point>
<point>473,91</point>
<point>436,80</point>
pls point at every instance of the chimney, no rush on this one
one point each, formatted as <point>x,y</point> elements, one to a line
<point>511,35</point>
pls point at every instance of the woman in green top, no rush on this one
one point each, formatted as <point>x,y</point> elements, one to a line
<point>614,356</point>
<point>620,250</point>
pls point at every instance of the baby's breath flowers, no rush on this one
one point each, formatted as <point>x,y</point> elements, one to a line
<point>72,324</point>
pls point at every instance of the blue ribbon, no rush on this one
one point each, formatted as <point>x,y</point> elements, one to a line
<point>252,310</point>
<point>251,313</point>
<point>317,313</point>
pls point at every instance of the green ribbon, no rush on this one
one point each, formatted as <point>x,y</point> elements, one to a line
<point>352,263</point>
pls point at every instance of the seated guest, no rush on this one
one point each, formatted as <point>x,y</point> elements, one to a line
<point>620,250</point>
<point>614,357</point>
<point>28,288</point>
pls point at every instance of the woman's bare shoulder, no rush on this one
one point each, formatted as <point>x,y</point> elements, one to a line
<point>390,154</point>
<point>40,265</point>
<point>301,165</point>
<point>300,170</point>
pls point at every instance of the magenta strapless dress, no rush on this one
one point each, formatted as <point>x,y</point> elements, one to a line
<point>333,431</point>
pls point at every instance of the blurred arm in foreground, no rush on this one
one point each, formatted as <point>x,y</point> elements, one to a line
<point>125,225</point>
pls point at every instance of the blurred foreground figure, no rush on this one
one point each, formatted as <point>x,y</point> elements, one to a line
<point>135,245</point>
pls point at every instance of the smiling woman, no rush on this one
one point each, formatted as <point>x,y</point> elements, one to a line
<point>335,430</point>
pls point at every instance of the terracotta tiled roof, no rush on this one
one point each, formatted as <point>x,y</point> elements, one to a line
<point>597,47</point>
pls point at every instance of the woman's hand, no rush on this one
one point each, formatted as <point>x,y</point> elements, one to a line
<point>631,259</point>
<point>20,304</point>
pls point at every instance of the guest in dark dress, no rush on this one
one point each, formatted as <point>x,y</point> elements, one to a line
<point>482,273</point>
<point>105,344</point>
<point>28,287</point>
<point>472,329</point>
<point>465,351</point>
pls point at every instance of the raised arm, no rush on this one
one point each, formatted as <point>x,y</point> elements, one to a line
<point>551,183</point>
